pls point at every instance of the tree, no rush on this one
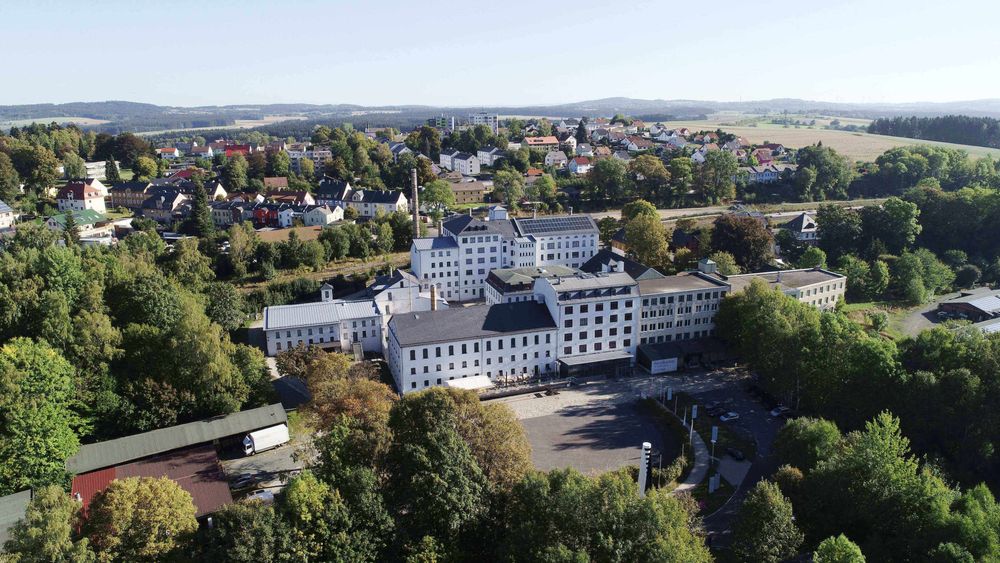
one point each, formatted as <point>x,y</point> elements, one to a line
<point>829,172</point>
<point>307,168</point>
<point>894,223</point>
<point>245,532</point>
<point>350,214</point>
<point>813,257</point>
<point>838,549</point>
<point>36,436</point>
<point>638,207</point>
<point>140,519</point>
<point>967,276</point>
<point>715,176</point>
<point>37,167</point>
<point>321,525</point>
<point>746,238</point>
<point>111,172</point>
<point>765,529</point>
<point>543,188</point>
<point>144,168</point>
<point>725,264</point>
<point>647,240</point>
<point>607,180</point>
<point>383,238</point>
<point>805,442</point>
<point>225,305</point>
<point>243,242</point>
<point>581,135</point>
<point>73,166</point>
<point>650,176</point>
<point>435,487</point>
<point>188,265</point>
<point>49,530</point>
<point>71,232</point>
<point>437,195</point>
<point>607,226</point>
<point>681,174</point>
<point>839,231</point>
<point>10,181</point>
<point>510,185</point>
<point>564,516</point>
<point>257,166</point>
<point>235,174</point>
<point>278,164</point>
<point>199,222</point>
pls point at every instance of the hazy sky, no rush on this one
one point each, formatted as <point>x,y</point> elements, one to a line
<point>509,52</point>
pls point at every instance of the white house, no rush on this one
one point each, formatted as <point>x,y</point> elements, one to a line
<point>6,216</point>
<point>580,165</point>
<point>556,158</point>
<point>465,163</point>
<point>80,195</point>
<point>488,156</point>
<point>323,215</point>
<point>168,153</point>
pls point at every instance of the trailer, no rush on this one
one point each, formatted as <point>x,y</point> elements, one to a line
<point>266,439</point>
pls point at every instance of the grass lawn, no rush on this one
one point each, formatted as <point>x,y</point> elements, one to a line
<point>115,215</point>
<point>126,174</point>
<point>897,314</point>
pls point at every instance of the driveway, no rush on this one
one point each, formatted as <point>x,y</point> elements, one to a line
<point>923,317</point>
<point>271,469</point>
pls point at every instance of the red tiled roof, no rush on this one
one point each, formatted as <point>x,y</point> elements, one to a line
<point>581,160</point>
<point>550,140</point>
<point>534,172</point>
<point>276,182</point>
<point>79,190</point>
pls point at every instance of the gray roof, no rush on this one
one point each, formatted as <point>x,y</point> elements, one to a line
<point>690,281</point>
<point>607,256</point>
<point>787,279</point>
<point>347,310</point>
<point>137,446</point>
<point>12,509</point>
<point>505,279</point>
<point>434,243</point>
<point>465,323</point>
<point>557,225</point>
<point>593,281</point>
<point>4,208</point>
<point>465,224</point>
<point>305,314</point>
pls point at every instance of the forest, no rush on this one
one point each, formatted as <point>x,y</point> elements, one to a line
<point>961,129</point>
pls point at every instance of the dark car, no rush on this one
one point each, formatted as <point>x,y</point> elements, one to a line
<point>715,411</point>
<point>735,454</point>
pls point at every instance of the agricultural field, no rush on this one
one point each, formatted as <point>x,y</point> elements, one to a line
<point>856,145</point>
<point>239,124</point>
<point>81,121</point>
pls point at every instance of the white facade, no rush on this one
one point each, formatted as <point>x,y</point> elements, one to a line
<point>322,216</point>
<point>594,313</point>
<point>490,120</point>
<point>465,163</point>
<point>328,324</point>
<point>679,307</point>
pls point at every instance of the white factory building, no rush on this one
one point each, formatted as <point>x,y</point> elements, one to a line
<point>459,260</point>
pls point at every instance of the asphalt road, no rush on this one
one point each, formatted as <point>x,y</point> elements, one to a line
<point>270,468</point>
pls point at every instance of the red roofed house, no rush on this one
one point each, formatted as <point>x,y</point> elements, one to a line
<point>77,196</point>
<point>763,155</point>
<point>579,165</point>
<point>169,153</point>
<point>276,183</point>
<point>233,150</point>
<point>292,198</point>
<point>635,143</point>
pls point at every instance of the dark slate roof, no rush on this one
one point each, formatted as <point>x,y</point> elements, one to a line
<point>434,243</point>
<point>137,446</point>
<point>333,187</point>
<point>559,224</point>
<point>801,223</point>
<point>606,256</point>
<point>464,323</point>
<point>465,224</point>
<point>12,509</point>
<point>381,196</point>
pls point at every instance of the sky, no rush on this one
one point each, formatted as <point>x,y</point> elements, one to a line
<point>509,53</point>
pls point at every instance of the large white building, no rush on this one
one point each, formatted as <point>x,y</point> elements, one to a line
<point>490,120</point>
<point>425,349</point>
<point>679,307</point>
<point>459,264</point>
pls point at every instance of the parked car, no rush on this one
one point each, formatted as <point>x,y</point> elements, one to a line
<point>263,495</point>
<point>780,410</point>
<point>729,416</point>
<point>735,454</point>
<point>715,411</point>
<point>243,481</point>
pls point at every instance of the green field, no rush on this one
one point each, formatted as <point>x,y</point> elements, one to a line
<point>856,145</point>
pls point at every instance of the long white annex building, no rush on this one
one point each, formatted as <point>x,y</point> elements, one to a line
<point>567,309</point>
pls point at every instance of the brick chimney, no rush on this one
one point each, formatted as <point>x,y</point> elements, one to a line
<point>434,298</point>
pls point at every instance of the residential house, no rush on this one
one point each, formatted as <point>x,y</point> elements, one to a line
<point>6,216</point>
<point>168,153</point>
<point>96,170</point>
<point>490,120</point>
<point>80,195</point>
<point>202,152</point>
<point>488,156</point>
<point>130,195</point>
<point>804,228</point>
<point>291,198</point>
<point>242,150</point>
<point>398,150</point>
<point>602,152</point>
<point>635,143</point>
<point>623,156</point>
<point>276,183</point>
<point>763,155</point>
<point>569,144</point>
<point>332,192</point>
<point>556,158</point>
<point>444,158</point>
<point>226,213</point>
<point>579,165</point>
<point>547,143</point>
<point>323,215</point>
<point>776,149</point>
<point>91,226</point>
<point>370,203</point>
<point>465,163</point>
<point>584,149</point>
<point>165,206</point>
<point>468,192</point>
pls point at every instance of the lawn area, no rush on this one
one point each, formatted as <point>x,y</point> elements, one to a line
<point>346,267</point>
<point>896,311</point>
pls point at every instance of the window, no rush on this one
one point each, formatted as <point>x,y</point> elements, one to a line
<point>451,350</point>
<point>568,350</point>
<point>413,355</point>
<point>568,323</point>
<point>437,352</point>
<point>582,348</point>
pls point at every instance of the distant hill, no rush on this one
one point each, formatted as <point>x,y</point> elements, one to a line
<point>132,116</point>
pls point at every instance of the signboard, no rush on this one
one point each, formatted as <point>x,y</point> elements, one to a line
<point>715,434</point>
<point>663,366</point>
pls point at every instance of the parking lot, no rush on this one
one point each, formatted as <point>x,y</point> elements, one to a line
<point>266,470</point>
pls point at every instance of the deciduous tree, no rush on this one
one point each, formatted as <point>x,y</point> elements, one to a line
<point>765,530</point>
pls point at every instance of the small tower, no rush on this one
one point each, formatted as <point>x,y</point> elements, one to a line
<point>326,292</point>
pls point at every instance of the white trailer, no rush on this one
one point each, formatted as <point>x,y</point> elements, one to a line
<point>266,439</point>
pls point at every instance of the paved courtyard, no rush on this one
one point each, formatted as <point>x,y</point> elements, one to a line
<point>593,428</point>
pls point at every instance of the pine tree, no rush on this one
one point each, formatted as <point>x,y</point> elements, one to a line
<point>111,173</point>
<point>200,222</point>
<point>71,233</point>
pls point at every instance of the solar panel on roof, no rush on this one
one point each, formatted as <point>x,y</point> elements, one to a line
<point>555,224</point>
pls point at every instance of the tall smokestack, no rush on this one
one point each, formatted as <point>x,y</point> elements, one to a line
<point>644,467</point>
<point>434,297</point>
<point>416,203</point>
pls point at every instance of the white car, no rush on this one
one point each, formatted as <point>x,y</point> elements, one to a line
<point>780,410</point>
<point>729,416</point>
<point>263,495</point>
